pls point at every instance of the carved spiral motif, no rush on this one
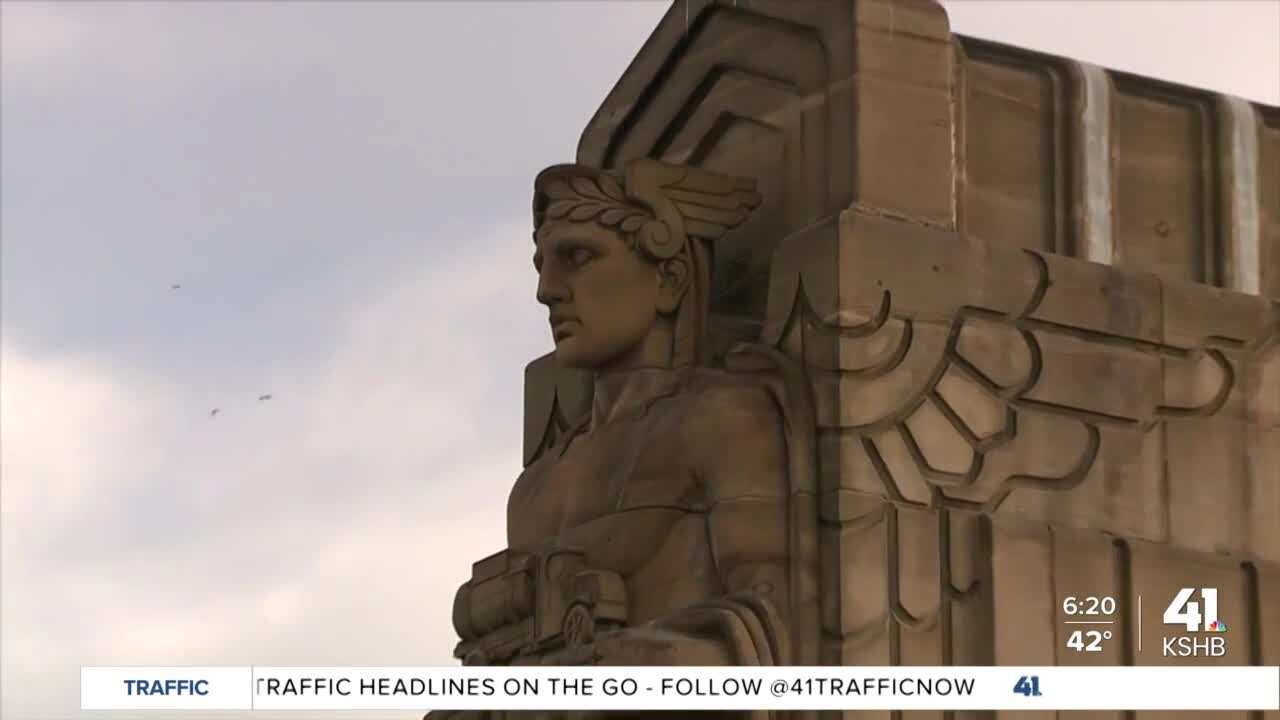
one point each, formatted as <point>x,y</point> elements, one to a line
<point>656,240</point>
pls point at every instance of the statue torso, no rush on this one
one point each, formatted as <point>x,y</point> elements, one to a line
<point>627,490</point>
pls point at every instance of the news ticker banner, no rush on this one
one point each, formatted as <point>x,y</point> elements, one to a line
<point>680,688</point>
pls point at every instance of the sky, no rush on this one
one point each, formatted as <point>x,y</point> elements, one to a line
<point>341,191</point>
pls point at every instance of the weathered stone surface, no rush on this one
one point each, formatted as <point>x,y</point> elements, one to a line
<point>948,419</point>
<point>947,379</point>
<point>555,400</point>
<point>1022,594</point>
<point>1014,183</point>
<point>1163,194</point>
<point>1269,200</point>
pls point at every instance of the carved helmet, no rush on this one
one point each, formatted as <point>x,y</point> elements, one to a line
<point>663,211</point>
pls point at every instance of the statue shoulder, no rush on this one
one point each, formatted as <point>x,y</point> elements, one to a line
<point>737,429</point>
<point>732,397</point>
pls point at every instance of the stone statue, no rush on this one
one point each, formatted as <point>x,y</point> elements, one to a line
<point>656,531</point>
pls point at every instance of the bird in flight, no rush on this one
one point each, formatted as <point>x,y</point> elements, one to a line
<point>264,397</point>
<point>175,286</point>
<point>213,412</point>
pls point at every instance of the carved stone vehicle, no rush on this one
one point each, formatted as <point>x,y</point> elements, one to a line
<point>521,606</point>
<point>873,343</point>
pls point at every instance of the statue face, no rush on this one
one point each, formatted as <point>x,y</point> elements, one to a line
<point>604,298</point>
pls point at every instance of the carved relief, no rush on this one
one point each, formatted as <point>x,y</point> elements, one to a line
<point>949,385</point>
<point>966,422</point>
<point>949,376</point>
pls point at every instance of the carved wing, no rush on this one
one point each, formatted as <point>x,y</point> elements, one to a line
<point>691,201</point>
<point>944,377</point>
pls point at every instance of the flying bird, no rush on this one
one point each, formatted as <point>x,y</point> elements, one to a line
<point>213,412</point>
<point>175,287</point>
<point>263,397</point>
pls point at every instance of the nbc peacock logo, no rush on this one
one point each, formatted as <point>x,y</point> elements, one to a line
<point>1217,626</point>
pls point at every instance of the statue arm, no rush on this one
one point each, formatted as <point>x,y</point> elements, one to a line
<point>748,521</point>
<point>748,486</point>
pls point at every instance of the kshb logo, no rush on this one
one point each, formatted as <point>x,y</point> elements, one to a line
<point>1195,616</point>
<point>1185,611</point>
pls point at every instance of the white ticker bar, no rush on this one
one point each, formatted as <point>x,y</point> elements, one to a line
<point>681,688</point>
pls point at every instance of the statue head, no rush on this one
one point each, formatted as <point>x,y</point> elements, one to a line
<point>624,262</point>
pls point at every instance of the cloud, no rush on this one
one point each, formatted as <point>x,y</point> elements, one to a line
<point>279,160</point>
<point>329,525</point>
<point>326,181</point>
<point>38,33</point>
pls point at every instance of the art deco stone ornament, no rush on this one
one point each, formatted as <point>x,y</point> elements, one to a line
<point>975,377</point>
